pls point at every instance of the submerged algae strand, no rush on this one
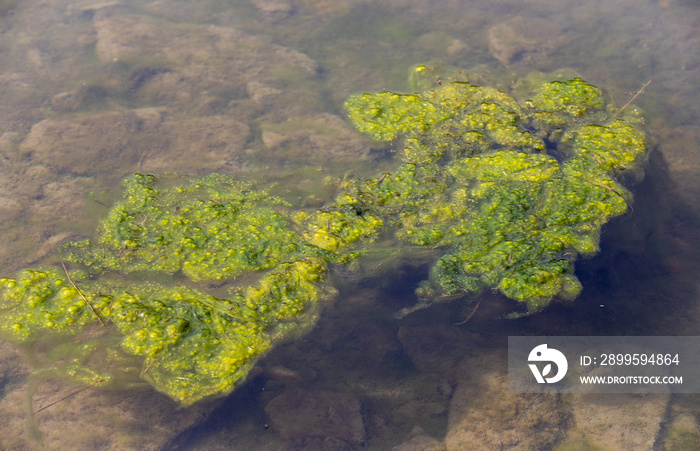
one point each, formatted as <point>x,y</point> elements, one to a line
<point>511,189</point>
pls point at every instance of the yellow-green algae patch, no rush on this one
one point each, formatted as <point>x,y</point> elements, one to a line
<point>574,97</point>
<point>512,189</point>
<point>192,344</point>
<point>211,228</point>
<point>192,280</point>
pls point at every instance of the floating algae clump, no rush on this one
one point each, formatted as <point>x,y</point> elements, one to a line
<point>192,344</point>
<point>512,188</point>
<point>187,282</point>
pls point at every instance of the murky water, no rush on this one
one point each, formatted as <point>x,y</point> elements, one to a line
<point>91,92</point>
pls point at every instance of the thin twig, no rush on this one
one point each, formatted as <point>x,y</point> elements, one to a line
<point>610,189</point>
<point>149,365</point>
<point>82,295</point>
<point>632,99</point>
<point>471,314</point>
<point>62,399</point>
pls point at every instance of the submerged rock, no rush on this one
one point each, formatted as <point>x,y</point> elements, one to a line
<point>192,58</point>
<point>274,10</point>
<point>420,443</point>
<point>86,145</point>
<point>195,145</point>
<point>94,419</point>
<point>682,433</point>
<point>309,137</point>
<point>526,41</point>
<point>617,421</point>
<point>680,150</point>
<point>484,415</point>
<point>301,415</point>
<point>138,140</point>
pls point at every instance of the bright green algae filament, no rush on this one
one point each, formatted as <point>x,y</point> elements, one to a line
<point>509,189</point>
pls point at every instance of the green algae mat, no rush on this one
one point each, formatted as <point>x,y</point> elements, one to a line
<point>187,282</point>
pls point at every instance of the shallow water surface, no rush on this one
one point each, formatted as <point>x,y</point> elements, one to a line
<point>92,92</point>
